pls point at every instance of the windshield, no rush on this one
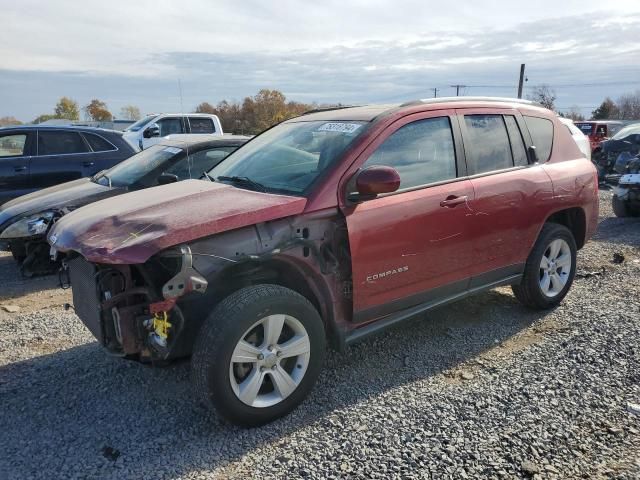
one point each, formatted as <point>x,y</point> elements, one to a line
<point>141,166</point>
<point>585,127</point>
<point>290,156</point>
<point>626,131</point>
<point>140,123</point>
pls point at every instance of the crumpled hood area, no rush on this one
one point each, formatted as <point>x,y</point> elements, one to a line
<point>130,228</point>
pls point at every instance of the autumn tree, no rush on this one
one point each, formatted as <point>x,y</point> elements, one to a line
<point>8,121</point>
<point>544,95</point>
<point>607,109</point>
<point>97,111</point>
<point>205,107</point>
<point>130,112</point>
<point>67,109</point>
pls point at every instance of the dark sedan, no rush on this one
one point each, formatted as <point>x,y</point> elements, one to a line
<point>25,221</point>
<point>33,157</point>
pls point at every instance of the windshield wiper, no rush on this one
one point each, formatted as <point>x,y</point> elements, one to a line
<point>208,177</point>
<point>244,181</point>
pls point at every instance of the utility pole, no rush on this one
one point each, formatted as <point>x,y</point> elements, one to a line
<point>435,92</point>
<point>457,87</point>
<point>521,82</point>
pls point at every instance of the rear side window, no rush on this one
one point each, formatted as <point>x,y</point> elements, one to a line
<point>98,144</point>
<point>517,143</point>
<point>201,125</point>
<point>12,145</point>
<point>487,144</point>
<point>60,143</point>
<point>541,130</point>
<point>169,126</point>
<point>422,152</point>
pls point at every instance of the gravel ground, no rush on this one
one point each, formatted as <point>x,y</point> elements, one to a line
<point>479,389</point>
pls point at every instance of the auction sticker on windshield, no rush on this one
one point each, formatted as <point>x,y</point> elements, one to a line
<point>339,127</point>
<point>172,150</point>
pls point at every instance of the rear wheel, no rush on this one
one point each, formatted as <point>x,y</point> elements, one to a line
<point>258,354</point>
<point>550,268</point>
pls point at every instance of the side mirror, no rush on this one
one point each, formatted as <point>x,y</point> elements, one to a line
<point>375,180</point>
<point>166,178</point>
<point>152,130</point>
<point>533,154</point>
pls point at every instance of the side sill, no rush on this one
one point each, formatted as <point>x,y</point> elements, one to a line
<point>381,325</point>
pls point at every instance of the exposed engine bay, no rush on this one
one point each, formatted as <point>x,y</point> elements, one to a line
<point>154,310</point>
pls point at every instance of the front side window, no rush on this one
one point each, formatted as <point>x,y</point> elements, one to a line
<point>98,144</point>
<point>289,156</point>
<point>422,152</point>
<point>487,144</point>
<point>170,126</point>
<point>541,130</point>
<point>201,125</point>
<point>197,163</point>
<point>12,145</point>
<point>60,143</point>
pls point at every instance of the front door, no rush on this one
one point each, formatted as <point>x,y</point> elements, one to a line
<point>14,164</point>
<point>411,246</point>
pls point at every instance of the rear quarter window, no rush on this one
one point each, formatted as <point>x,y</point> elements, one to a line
<point>98,144</point>
<point>541,130</point>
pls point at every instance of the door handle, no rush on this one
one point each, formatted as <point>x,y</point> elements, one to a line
<point>88,164</point>
<point>19,169</point>
<point>453,200</point>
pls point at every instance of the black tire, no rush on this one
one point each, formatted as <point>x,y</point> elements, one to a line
<point>529,292</point>
<point>620,207</point>
<point>219,335</point>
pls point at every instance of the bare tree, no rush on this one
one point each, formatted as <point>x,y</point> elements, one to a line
<point>629,106</point>
<point>544,95</point>
<point>130,112</point>
<point>574,114</point>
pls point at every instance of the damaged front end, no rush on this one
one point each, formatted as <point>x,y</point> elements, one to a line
<point>132,309</point>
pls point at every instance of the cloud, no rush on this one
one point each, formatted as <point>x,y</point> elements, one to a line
<point>587,48</point>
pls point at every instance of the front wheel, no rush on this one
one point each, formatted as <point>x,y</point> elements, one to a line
<point>258,354</point>
<point>620,207</point>
<point>550,268</point>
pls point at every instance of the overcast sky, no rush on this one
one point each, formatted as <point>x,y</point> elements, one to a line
<point>134,52</point>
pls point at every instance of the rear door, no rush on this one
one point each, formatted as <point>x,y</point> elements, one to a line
<point>201,125</point>
<point>104,154</point>
<point>15,150</point>
<point>412,246</point>
<point>62,155</point>
<point>511,194</point>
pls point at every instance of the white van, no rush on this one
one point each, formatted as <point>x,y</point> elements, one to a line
<point>149,130</point>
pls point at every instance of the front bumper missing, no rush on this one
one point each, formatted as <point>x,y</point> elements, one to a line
<point>127,318</point>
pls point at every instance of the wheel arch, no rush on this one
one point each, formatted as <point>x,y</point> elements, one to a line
<point>288,273</point>
<point>575,219</point>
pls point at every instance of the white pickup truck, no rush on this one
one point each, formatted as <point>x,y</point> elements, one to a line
<point>150,129</point>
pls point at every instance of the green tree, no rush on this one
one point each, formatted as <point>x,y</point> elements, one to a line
<point>607,109</point>
<point>43,118</point>
<point>97,111</point>
<point>67,109</point>
<point>130,112</point>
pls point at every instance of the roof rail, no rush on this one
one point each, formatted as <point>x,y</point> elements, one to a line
<point>328,109</point>
<point>423,101</point>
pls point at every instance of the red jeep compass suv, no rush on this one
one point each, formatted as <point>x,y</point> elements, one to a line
<point>330,227</point>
